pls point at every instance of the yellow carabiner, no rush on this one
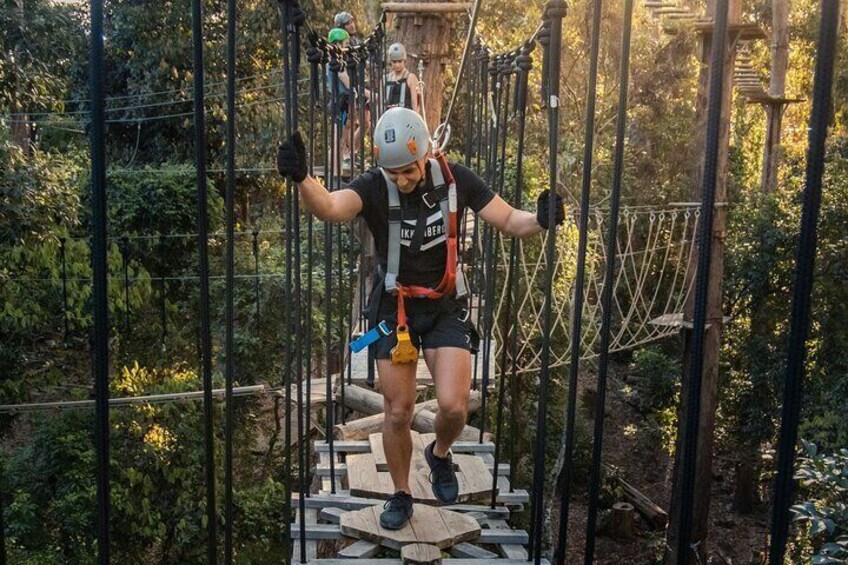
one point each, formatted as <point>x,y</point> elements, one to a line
<point>404,351</point>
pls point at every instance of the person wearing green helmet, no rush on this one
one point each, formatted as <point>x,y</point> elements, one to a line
<point>344,102</point>
<point>412,203</point>
<point>338,35</point>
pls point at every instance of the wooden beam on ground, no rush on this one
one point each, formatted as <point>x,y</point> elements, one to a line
<point>369,402</point>
<point>364,446</point>
<point>423,421</point>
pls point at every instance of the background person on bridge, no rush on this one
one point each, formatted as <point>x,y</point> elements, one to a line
<point>401,85</point>
<point>419,311</point>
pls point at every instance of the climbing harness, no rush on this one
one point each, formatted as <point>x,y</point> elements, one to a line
<point>443,196</point>
<point>397,93</point>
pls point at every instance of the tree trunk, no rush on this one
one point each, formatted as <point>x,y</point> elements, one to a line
<point>777,88</point>
<point>427,37</point>
<point>621,521</point>
<point>745,487</point>
<point>712,338</point>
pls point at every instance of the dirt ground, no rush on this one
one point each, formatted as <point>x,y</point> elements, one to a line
<point>733,539</point>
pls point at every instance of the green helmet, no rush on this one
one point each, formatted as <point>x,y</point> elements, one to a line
<point>337,35</point>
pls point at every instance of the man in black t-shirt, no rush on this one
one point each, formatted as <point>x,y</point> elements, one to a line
<point>415,272</point>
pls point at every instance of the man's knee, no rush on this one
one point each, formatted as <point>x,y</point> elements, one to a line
<point>398,414</point>
<point>455,409</point>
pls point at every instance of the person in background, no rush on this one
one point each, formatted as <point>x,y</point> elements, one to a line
<point>401,85</point>
<point>346,21</point>
<point>344,104</point>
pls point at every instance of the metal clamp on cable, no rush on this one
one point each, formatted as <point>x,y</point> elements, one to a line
<point>441,137</point>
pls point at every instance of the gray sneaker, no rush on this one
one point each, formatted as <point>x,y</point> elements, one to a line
<point>397,511</point>
<point>442,475</point>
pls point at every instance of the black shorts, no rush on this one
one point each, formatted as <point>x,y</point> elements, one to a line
<point>432,324</point>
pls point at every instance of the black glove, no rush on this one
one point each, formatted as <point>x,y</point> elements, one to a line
<point>543,210</point>
<point>291,158</point>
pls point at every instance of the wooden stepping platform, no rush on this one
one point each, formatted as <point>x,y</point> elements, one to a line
<point>428,525</point>
<point>368,476</point>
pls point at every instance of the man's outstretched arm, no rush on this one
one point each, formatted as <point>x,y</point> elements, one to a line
<point>338,206</point>
<point>519,223</point>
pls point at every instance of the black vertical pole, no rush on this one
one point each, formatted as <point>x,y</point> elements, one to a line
<point>702,282</point>
<point>297,17</point>
<point>255,235</point>
<point>64,260</point>
<point>579,281</point>
<point>509,320</point>
<point>609,281</point>
<point>555,12</point>
<point>805,260</point>
<point>125,263</point>
<point>229,346</point>
<point>99,273</point>
<point>163,313</point>
<point>203,254</point>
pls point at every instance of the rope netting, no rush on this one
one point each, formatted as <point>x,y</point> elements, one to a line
<point>652,283</point>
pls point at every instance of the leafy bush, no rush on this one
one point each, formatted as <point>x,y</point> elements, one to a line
<point>824,478</point>
<point>661,380</point>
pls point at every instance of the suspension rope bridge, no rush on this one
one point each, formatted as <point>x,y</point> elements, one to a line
<point>623,286</point>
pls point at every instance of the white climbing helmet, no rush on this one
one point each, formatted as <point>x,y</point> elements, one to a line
<point>342,19</point>
<point>397,52</point>
<point>400,138</point>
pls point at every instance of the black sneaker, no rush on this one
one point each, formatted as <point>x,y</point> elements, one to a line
<point>398,511</point>
<point>442,475</point>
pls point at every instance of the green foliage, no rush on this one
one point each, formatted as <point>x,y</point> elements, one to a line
<point>660,386</point>
<point>824,481</point>
<point>157,474</point>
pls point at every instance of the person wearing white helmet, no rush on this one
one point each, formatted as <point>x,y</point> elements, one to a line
<point>401,85</point>
<point>347,22</point>
<point>411,203</point>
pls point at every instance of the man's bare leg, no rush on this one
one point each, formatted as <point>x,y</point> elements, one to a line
<point>451,370</point>
<point>398,385</point>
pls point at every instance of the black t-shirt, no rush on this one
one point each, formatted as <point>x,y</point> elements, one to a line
<point>427,265</point>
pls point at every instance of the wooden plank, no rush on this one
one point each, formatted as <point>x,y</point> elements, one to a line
<point>343,500</point>
<point>360,549</point>
<point>506,537</point>
<point>469,550</point>
<point>475,481</point>
<point>311,549</point>
<point>318,531</point>
<point>508,550</point>
<point>426,8</point>
<point>452,561</point>
<point>331,514</point>
<point>420,554</point>
<point>376,442</point>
